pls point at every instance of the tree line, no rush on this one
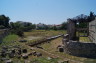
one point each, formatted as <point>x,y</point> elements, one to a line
<point>15,27</point>
<point>20,27</point>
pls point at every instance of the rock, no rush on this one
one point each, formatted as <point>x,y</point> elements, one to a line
<point>30,53</point>
<point>4,47</point>
<point>24,50</point>
<point>39,47</point>
<point>11,55</point>
<point>34,53</point>
<point>22,40</point>
<point>18,56</point>
<point>8,61</point>
<point>19,51</point>
<point>49,58</point>
<point>26,61</point>
<point>59,46</point>
<point>31,48</point>
<point>25,56</point>
<point>61,49</point>
<point>16,46</point>
<point>3,54</point>
<point>13,51</point>
<point>38,54</point>
<point>63,62</point>
<point>3,59</point>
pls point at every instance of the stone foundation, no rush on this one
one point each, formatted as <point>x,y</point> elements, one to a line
<point>79,48</point>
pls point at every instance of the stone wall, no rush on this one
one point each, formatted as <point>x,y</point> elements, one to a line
<point>92,30</point>
<point>71,29</point>
<point>79,48</point>
<point>3,33</point>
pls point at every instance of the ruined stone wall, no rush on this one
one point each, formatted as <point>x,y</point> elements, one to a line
<point>79,48</point>
<point>92,30</point>
<point>3,33</point>
<point>71,29</point>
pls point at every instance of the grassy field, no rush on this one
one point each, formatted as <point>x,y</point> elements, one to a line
<point>49,49</point>
<point>13,40</point>
<point>44,33</point>
<point>85,39</point>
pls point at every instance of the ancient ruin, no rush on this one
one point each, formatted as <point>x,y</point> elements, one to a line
<point>71,42</point>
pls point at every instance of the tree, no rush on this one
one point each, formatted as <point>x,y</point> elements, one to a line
<point>4,21</point>
<point>64,26</point>
<point>54,28</point>
<point>17,28</point>
<point>91,16</point>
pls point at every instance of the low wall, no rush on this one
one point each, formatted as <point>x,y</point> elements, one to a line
<point>3,33</point>
<point>44,40</point>
<point>80,49</point>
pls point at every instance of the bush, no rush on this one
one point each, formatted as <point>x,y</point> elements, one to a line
<point>17,32</point>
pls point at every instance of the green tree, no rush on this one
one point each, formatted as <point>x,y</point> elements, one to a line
<point>4,21</point>
<point>91,16</point>
<point>64,26</point>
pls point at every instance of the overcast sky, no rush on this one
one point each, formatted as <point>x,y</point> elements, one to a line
<point>45,11</point>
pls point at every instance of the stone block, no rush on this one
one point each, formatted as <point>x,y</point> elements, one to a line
<point>61,49</point>
<point>25,56</point>
<point>24,50</point>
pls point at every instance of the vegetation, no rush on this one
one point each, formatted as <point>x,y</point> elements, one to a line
<point>26,29</point>
<point>83,19</point>
<point>44,60</point>
<point>9,39</point>
<point>64,26</point>
<point>4,21</point>
<point>19,27</point>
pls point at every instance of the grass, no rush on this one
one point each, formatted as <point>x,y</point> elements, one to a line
<point>10,38</point>
<point>44,33</point>
<point>48,47</point>
<point>85,39</point>
<point>44,60</point>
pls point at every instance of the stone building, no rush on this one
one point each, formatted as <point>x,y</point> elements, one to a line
<point>77,48</point>
<point>92,30</point>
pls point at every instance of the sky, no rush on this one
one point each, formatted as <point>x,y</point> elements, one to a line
<point>45,11</point>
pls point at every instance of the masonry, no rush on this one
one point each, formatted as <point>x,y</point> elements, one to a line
<point>3,33</point>
<point>81,49</point>
<point>92,30</point>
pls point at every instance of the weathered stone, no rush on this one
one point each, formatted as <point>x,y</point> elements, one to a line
<point>24,50</point>
<point>3,59</point>
<point>63,61</point>
<point>39,47</point>
<point>30,53</point>
<point>25,56</point>
<point>49,58</point>
<point>11,55</point>
<point>19,51</point>
<point>38,54</point>
<point>8,61</point>
<point>13,51</point>
<point>31,48</point>
<point>61,49</point>
<point>4,47</point>
<point>34,53</point>
<point>22,40</point>
<point>80,49</point>
<point>59,46</point>
<point>18,56</point>
<point>3,54</point>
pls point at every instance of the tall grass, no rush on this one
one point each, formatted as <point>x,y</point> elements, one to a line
<point>9,39</point>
